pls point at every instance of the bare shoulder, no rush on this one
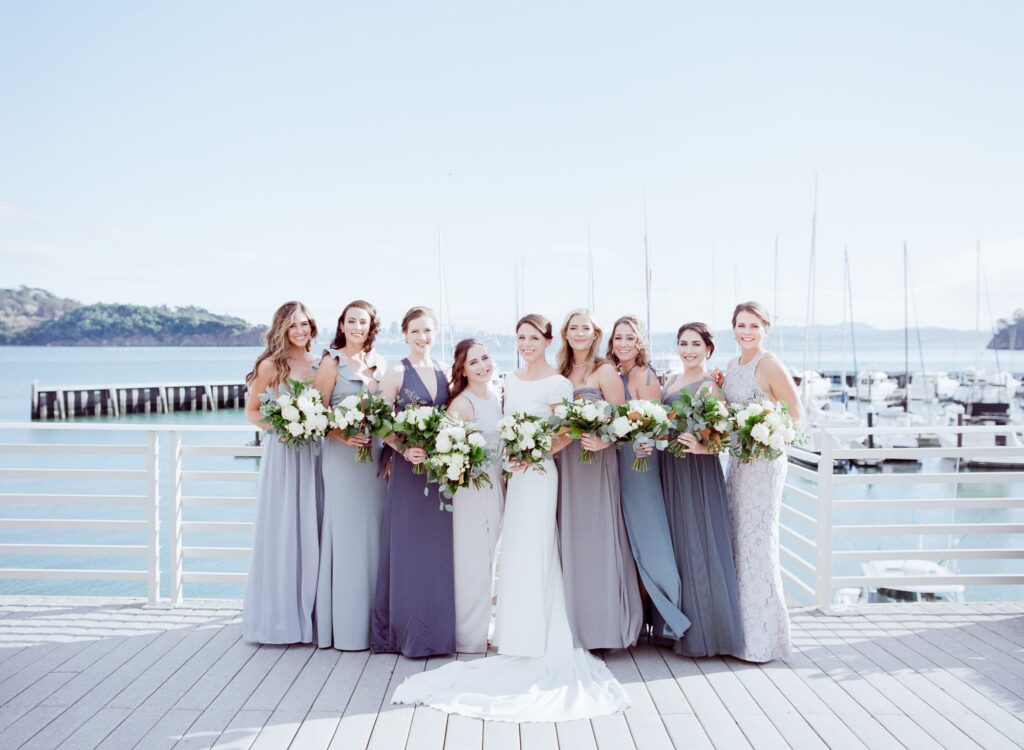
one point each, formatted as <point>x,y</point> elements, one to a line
<point>462,408</point>
<point>771,366</point>
<point>266,370</point>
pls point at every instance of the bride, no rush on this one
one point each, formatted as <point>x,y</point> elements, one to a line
<point>539,675</point>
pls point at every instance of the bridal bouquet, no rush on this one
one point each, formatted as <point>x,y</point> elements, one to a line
<point>459,459</point>
<point>297,417</point>
<point>362,414</point>
<point>417,427</point>
<point>641,422</point>
<point>704,416</point>
<point>763,430</point>
<point>526,439</point>
<point>581,416</point>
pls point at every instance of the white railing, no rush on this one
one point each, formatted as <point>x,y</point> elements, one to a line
<point>814,496</point>
<point>808,529</point>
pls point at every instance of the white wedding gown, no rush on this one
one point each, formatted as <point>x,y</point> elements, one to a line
<point>538,675</point>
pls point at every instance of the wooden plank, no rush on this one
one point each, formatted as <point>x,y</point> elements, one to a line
<point>200,695</point>
<point>575,735</point>
<point>465,733</point>
<point>27,726</point>
<point>171,728</point>
<point>714,716</point>
<point>542,736</point>
<point>502,735</point>
<point>391,729</point>
<point>429,727</point>
<point>98,726</point>
<point>645,724</point>
<point>241,686</point>
<point>279,679</point>
<point>662,686</point>
<point>206,729</point>
<point>242,731</point>
<point>33,671</point>
<point>31,697</point>
<point>356,724</point>
<point>686,732</point>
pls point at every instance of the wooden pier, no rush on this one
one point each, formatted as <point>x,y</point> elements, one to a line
<point>70,401</point>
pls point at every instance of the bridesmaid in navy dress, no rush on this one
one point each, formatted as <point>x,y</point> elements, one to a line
<point>414,608</point>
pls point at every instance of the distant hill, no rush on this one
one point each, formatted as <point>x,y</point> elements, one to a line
<point>1009,333</point>
<point>35,317</point>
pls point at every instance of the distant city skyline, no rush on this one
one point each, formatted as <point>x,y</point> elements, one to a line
<point>233,156</point>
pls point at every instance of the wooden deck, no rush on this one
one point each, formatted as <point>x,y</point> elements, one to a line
<point>83,673</point>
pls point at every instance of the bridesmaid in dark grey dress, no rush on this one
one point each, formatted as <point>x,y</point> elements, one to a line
<point>698,514</point>
<point>414,608</point>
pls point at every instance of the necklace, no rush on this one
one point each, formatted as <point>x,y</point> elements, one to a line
<point>579,365</point>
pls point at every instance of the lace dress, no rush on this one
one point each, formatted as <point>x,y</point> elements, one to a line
<point>755,499</point>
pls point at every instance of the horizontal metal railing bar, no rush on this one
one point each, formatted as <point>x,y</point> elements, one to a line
<point>897,582</point>
<point>803,473</point>
<point>984,477</point>
<point>803,455</point>
<point>85,524</point>
<point>803,587</point>
<point>219,476</point>
<point>961,553</point>
<point>215,501</point>
<point>73,549</point>
<point>215,551</point>
<point>798,537</point>
<point>109,427</point>
<point>813,497</point>
<point>195,576</point>
<point>926,430</point>
<point>790,555</point>
<point>228,526</point>
<point>17,498</point>
<point>65,448</point>
<point>791,511</point>
<point>929,502</point>
<point>909,453</point>
<point>928,528</point>
<point>134,386</point>
<point>84,475</point>
<point>75,574</point>
<point>242,451</point>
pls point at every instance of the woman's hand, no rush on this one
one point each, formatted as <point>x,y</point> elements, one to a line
<point>689,441</point>
<point>644,450</point>
<point>592,443</point>
<point>414,455</point>
<point>718,376</point>
<point>358,441</point>
<point>515,466</point>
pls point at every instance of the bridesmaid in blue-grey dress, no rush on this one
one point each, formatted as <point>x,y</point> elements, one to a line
<point>353,494</point>
<point>643,503</point>
<point>280,589</point>
<point>414,607</point>
<point>698,513</point>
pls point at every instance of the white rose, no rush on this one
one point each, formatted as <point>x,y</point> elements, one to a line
<point>321,422</point>
<point>528,429</point>
<point>458,433</point>
<point>476,440</point>
<point>454,473</point>
<point>527,443</point>
<point>773,419</point>
<point>721,426</point>
<point>590,412</point>
<point>536,454</point>
<point>507,433</point>
<point>659,414</point>
<point>444,443</point>
<point>284,399</point>
<point>777,441</point>
<point>788,434</point>
<point>357,416</point>
<point>304,403</point>
<point>290,413</point>
<point>561,412</point>
<point>760,432</point>
<point>350,402</point>
<point>506,422</point>
<point>295,429</point>
<point>621,426</point>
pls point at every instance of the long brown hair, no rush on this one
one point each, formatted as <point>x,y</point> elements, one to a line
<point>538,321</point>
<point>754,308</point>
<point>643,356</point>
<point>460,381</point>
<point>278,347</point>
<point>563,361</point>
<point>417,312</point>
<point>702,330</point>
<point>339,334</point>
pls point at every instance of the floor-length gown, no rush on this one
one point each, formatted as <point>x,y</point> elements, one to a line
<point>280,589</point>
<point>601,589</point>
<point>354,499</point>
<point>698,513</point>
<point>414,607</point>
<point>539,675</point>
<point>755,490</point>
<point>476,522</point>
<point>643,508</point>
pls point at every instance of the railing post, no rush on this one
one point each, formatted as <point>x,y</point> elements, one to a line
<point>153,505</point>
<point>176,558</point>
<point>823,542</point>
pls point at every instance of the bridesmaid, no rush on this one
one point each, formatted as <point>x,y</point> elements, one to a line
<point>476,516</point>
<point>601,590</point>
<point>643,503</point>
<point>756,492</point>
<point>281,586</point>
<point>698,514</point>
<point>414,607</point>
<point>353,495</point>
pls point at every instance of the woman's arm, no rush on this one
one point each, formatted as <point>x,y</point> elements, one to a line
<point>325,378</point>
<point>264,377</point>
<point>779,385</point>
<point>612,389</point>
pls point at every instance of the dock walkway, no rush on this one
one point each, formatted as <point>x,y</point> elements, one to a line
<point>111,673</point>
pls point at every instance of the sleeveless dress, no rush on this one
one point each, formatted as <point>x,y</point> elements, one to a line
<point>476,523</point>
<point>350,540</point>
<point>280,589</point>
<point>414,607</point>
<point>601,589</point>
<point>698,514</point>
<point>755,489</point>
<point>643,508</point>
<point>539,675</point>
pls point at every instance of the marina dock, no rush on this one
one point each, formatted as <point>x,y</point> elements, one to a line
<point>70,401</point>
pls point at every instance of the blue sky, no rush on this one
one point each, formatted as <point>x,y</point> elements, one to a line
<point>234,155</point>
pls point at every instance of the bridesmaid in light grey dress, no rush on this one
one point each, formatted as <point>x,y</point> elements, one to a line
<point>280,589</point>
<point>476,513</point>
<point>353,494</point>
<point>602,592</point>
<point>643,503</point>
<point>698,513</point>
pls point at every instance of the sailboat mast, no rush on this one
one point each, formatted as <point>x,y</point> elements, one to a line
<point>591,302</point>
<point>977,307</point>
<point>853,335</point>
<point>440,293</point>
<point>647,276</point>
<point>906,330</point>
<point>811,283</point>
<point>775,304</point>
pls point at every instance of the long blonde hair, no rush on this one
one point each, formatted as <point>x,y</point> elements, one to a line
<point>563,361</point>
<point>643,356</point>
<point>278,347</point>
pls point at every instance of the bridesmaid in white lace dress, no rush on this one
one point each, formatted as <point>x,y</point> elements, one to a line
<point>755,491</point>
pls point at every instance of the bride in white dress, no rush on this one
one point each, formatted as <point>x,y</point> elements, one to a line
<point>539,675</point>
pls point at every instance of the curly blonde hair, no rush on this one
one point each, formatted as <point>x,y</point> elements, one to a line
<point>643,355</point>
<point>278,347</point>
<point>563,361</point>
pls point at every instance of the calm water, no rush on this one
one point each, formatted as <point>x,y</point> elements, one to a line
<point>19,366</point>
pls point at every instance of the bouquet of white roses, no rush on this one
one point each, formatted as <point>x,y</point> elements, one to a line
<point>705,417</point>
<point>363,414</point>
<point>640,422</point>
<point>297,417</point>
<point>581,416</point>
<point>526,439</point>
<point>459,459</point>
<point>763,430</point>
<point>417,427</point>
